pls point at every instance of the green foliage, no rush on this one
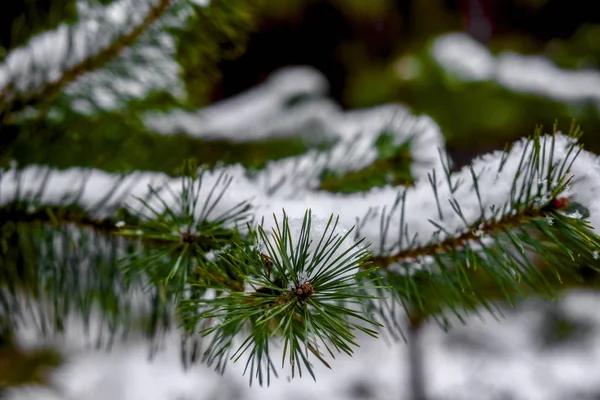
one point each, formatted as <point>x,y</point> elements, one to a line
<point>183,234</point>
<point>234,284</point>
<point>226,280</point>
<point>50,273</point>
<point>478,116</point>
<point>491,258</point>
<point>298,290</point>
<point>302,299</point>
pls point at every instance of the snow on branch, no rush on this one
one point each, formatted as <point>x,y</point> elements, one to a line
<point>265,111</point>
<point>101,193</point>
<point>58,58</point>
<point>448,226</point>
<point>425,212</point>
<point>291,102</point>
<point>357,132</point>
<point>462,55</point>
<point>426,209</point>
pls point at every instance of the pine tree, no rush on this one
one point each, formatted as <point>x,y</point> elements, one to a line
<point>271,219</point>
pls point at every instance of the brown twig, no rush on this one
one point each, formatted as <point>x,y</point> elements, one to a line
<point>452,243</point>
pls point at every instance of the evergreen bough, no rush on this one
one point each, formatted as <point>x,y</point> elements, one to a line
<point>308,251</point>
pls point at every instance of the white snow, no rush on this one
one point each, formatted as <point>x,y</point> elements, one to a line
<point>253,109</point>
<point>481,360</point>
<point>420,205</point>
<point>464,56</point>
<point>97,183</point>
<point>470,60</point>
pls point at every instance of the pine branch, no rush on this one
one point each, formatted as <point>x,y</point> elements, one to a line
<point>301,281</point>
<point>45,281</point>
<point>491,255</point>
<point>510,222</point>
<point>299,290</point>
<point>12,105</point>
<point>191,252</point>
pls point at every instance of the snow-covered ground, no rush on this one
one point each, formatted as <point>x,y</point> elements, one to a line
<point>486,359</point>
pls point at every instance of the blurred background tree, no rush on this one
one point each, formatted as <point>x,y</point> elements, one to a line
<point>371,53</point>
<point>364,49</point>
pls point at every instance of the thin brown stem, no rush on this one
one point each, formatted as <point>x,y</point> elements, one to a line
<point>452,243</point>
